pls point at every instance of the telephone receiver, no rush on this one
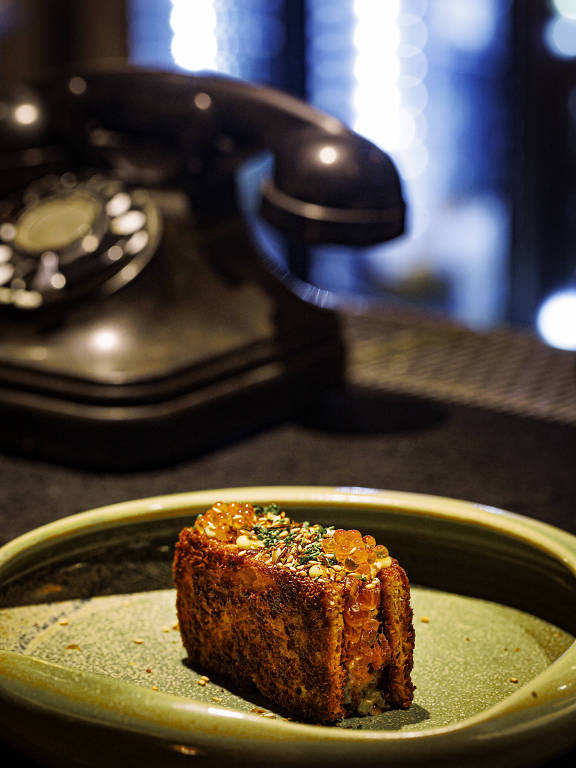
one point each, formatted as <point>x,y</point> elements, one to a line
<point>120,308</point>
<point>160,129</point>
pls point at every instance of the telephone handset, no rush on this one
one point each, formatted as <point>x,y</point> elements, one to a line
<point>113,299</point>
<point>150,128</point>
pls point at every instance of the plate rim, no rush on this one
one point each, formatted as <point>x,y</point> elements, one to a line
<point>161,506</point>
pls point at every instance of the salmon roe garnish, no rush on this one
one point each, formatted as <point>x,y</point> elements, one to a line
<point>266,533</point>
<point>222,520</point>
<point>355,552</point>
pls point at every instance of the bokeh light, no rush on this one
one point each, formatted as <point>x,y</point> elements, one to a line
<point>556,320</point>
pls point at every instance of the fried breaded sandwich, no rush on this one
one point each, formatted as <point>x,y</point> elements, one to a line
<point>317,619</point>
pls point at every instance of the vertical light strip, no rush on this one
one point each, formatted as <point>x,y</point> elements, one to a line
<point>556,317</point>
<point>389,96</point>
<point>376,96</point>
<point>195,42</point>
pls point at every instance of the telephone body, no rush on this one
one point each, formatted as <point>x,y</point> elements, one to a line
<point>140,322</point>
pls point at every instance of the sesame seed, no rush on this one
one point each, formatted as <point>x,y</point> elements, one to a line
<point>513,679</point>
<point>292,545</point>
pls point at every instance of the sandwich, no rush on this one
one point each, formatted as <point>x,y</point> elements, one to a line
<point>317,619</point>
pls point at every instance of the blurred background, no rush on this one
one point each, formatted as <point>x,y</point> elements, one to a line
<point>475,100</point>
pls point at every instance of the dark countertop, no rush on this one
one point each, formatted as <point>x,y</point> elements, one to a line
<point>516,463</point>
<point>411,436</point>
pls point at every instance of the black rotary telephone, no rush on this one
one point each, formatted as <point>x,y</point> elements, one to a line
<point>140,318</point>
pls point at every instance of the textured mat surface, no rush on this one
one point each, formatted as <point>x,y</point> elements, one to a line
<point>505,370</point>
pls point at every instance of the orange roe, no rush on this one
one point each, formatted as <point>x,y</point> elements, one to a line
<point>354,551</point>
<point>224,520</point>
<point>355,555</point>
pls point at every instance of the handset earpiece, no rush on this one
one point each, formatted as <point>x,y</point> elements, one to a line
<point>334,188</point>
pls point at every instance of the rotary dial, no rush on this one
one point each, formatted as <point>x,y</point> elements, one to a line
<point>65,236</point>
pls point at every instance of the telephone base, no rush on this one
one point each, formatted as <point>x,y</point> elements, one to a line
<point>128,438</point>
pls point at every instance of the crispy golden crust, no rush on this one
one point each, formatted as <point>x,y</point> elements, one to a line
<point>397,619</point>
<point>261,625</point>
<point>288,634</point>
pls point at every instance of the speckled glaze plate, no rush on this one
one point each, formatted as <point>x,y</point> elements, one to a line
<point>92,671</point>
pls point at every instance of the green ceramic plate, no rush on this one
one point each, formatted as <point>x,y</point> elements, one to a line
<point>92,672</point>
